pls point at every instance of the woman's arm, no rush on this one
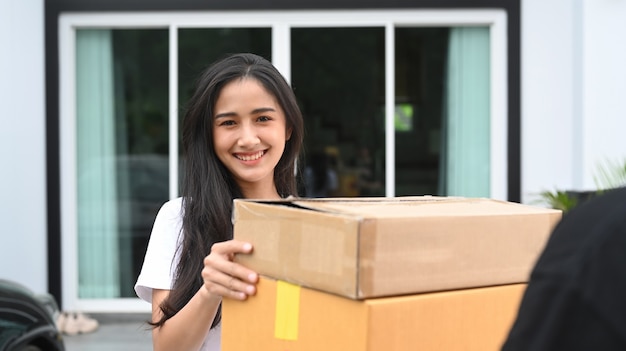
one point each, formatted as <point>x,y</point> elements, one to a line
<point>187,329</point>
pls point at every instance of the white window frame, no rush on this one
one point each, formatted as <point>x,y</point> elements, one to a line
<point>281,23</point>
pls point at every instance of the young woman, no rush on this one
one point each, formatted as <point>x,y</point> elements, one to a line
<point>241,136</point>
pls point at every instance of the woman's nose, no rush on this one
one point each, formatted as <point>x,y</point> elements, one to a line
<point>248,136</point>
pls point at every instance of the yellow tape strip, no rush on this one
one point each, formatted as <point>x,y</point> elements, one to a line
<point>287,311</point>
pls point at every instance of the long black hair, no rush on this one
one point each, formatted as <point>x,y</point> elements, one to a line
<point>208,188</point>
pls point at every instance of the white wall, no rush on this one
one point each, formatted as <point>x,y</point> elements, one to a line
<point>547,95</point>
<point>23,253</point>
<point>604,85</point>
<point>573,77</point>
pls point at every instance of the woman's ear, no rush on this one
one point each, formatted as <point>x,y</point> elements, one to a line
<point>288,134</point>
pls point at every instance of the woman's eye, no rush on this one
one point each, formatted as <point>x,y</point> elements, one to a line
<point>264,119</point>
<point>227,123</point>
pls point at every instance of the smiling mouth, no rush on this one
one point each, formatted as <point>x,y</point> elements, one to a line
<point>251,157</point>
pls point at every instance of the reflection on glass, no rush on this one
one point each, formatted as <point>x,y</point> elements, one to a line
<point>466,142</point>
<point>338,75</point>
<point>419,75</point>
<point>199,47</point>
<point>122,153</point>
<point>442,111</point>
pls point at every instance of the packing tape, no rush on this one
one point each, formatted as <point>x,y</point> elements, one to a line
<point>287,311</point>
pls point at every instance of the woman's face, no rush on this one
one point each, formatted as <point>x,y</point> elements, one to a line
<point>249,135</point>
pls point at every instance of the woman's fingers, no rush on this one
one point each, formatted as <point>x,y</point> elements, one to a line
<point>226,278</point>
<point>231,247</point>
<point>221,259</point>
<point>218,283</point>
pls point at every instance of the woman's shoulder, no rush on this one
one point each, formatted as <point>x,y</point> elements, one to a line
<point>168,221</point>
<point>175,203</point>
<point>170,212</point>
<point>172,207</point>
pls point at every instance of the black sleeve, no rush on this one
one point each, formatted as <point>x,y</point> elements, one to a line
<point>576,296</point>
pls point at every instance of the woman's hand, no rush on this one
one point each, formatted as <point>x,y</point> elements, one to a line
<point>225,278</point>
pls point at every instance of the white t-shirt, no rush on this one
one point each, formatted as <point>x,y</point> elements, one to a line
<point>159,266</point>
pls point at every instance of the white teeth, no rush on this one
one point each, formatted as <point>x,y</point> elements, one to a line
<point>251,157</point>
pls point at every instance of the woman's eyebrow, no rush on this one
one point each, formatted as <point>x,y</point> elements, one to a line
<point>225,114</point>
<point>253,112</point>
<point>263,109</point>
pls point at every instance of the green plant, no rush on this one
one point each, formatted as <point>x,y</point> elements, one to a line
<point>609,175</point>
<point>559,200</point>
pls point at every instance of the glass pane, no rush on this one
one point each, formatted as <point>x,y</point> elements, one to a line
<point>122,153</point>
<point>197,48</point>
<point>442,111</point>
<point>338,75</point>
<point>200,47</point>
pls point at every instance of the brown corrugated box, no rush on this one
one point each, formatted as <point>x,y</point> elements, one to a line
<point>300,319</point>
<point>373,247</point>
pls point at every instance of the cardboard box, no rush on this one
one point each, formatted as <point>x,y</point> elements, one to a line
<point>283,317</point>
<point>373,247</point>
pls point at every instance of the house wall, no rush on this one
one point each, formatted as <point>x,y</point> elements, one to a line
<point>603,86</point>
<point>573,79</point>
<point>548,89</point>
<point>23,253</point>
<point>572,113</point>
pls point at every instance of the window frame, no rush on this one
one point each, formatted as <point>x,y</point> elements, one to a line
<point>281,23</point>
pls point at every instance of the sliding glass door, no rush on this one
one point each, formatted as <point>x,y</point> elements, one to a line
<point>442,111</point>
<point>339,77</point>
<point>122,153</point>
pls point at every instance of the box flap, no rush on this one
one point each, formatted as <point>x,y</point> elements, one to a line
<point>426,206</point>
